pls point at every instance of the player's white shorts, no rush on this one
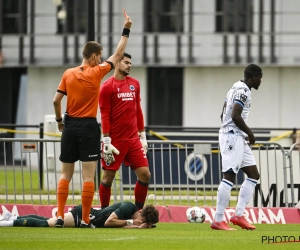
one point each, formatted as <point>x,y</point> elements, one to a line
<point>235,152</point>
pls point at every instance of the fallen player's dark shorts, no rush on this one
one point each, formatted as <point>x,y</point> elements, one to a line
<point>77,215</point>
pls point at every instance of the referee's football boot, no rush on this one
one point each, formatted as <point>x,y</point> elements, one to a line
<point>242,222</point>
<point>59,222</point>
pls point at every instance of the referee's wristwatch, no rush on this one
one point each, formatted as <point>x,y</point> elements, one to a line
<point>58,120</point>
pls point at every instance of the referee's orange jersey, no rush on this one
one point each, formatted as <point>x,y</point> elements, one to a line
<point>81,85</point>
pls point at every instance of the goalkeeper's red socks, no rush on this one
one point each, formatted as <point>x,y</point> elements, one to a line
<point>104,194</point>
<point>62,196</point>
<point>87,196</point>
<point>140,193</point>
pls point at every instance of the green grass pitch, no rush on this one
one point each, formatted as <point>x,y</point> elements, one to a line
<point>165,236</point>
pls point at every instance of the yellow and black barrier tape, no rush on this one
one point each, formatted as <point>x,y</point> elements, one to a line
<point>151,132</point>
<point>277,138</point>
<point>5,130</point>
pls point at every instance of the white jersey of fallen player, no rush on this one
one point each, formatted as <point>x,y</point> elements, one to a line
<point>241,94</point>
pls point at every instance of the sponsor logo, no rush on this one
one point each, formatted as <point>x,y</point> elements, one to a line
<point>254,215</point>
<point>273,196</point>
<point>129,96</point>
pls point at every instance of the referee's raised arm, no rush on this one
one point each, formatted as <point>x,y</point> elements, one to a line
<point>119,53</point>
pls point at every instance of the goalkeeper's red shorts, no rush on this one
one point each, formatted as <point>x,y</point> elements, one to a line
<point>131,153</point>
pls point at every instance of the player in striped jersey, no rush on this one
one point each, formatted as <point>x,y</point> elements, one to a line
<point>235,150</point>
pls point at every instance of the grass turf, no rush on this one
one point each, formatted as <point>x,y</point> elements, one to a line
<point>165,236</point>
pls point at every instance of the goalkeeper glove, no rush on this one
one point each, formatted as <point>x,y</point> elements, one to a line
<point>108,151</point>
<point>144,141</point>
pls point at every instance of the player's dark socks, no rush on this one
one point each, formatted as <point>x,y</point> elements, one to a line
<point>104,193</point>
<point>140,193</point>
<point>140,205</point>
<point>30,222</point>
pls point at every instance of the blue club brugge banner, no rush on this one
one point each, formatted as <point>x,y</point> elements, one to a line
<point>180,167</point>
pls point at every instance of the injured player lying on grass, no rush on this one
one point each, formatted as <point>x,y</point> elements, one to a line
<point>122,214</point>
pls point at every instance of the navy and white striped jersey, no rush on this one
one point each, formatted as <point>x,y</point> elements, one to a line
<point>241,94</point>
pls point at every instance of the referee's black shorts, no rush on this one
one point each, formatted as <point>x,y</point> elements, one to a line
<point>80,140</point>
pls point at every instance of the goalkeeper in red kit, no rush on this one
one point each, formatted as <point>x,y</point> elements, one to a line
<point>124,138</point>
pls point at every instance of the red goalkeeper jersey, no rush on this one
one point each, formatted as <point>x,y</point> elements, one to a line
<point>121,113</point>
